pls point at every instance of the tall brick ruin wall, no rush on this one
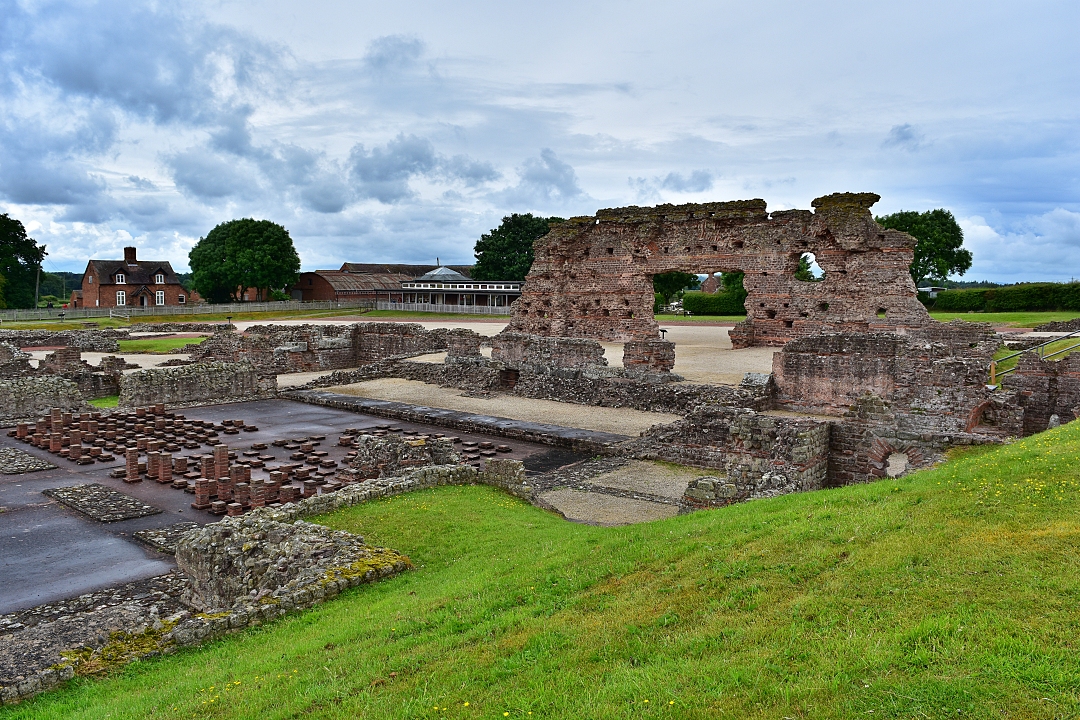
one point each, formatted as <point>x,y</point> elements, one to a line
<point>199,384</point>
<point>591,277</point>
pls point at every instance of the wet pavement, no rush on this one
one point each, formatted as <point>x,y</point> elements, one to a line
<point>49,552</point>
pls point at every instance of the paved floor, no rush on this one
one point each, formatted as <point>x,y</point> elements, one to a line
<point>635,491</point>
<point>49,552</point>
<point>624,421</point>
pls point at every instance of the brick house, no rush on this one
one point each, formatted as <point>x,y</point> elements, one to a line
<point>131,283</point>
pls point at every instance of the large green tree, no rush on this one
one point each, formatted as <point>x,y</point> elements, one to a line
<point>242,254</point>
<point>506,253</point>
<point>20,259</point>
<point>669,284</point>
<point>939,251</point>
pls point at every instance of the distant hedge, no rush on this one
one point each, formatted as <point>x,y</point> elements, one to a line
<point>725,303</point>
<point>1028,297</point>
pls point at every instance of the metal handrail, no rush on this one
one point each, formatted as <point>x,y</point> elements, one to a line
<point>994,374</point>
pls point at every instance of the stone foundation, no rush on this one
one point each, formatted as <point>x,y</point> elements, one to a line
<point>27,399</point>
<point>200,384</point>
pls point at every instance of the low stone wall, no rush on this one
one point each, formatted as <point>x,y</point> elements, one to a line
<point>522,351</point>
<point>604,387</point>
<point>90,340</point>
<point>180,327</point>
<point>27,399</point>
<point>199,384</point>
<point>1060,326</point>
<point>760,455</point>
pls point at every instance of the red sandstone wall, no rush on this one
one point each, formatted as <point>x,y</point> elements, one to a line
<point>592,275</point>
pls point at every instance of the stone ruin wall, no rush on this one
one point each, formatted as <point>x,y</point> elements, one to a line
<point>26,399</point>
<point>1045,388</point>
<point>759,455</point>
<point>275,349</point>
<point>592,276</point>
<point>210,383</point>
<point>87,340</point>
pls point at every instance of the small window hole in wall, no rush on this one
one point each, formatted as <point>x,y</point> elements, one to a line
<point>789,323</point>
<point>611,251</point>
<point>823,306</point>
<point>738,244</point>
<point>881,313</point>
<point>771,314</point>
<point>896,464</point>
<point>809,270</point>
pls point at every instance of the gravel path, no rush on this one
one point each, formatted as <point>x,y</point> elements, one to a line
<point>606,510</point>
<point>587,417</point>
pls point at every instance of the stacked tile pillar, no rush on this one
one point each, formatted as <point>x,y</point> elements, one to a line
<point>132,468</point>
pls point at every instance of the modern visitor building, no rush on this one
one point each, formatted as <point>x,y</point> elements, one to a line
<point>444,287</point>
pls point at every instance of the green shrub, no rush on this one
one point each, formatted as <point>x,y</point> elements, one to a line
<point>726,303</point>
<point>1012,298</point>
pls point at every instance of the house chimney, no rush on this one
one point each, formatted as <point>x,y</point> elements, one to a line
<point>129,256</point>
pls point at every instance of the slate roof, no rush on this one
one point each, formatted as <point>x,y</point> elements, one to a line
<point>400,268</point>
<point>362,282</point>
<point>142,273</point>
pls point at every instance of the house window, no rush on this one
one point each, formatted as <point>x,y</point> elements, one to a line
<point>120,278</point>
<point>159,296</point>
<point>89,279</point>
<point>181,299</point>
<point>121,297</point>
<point>159,279</point>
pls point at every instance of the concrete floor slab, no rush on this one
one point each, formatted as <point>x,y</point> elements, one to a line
<point>623,421</point>
<point>596,508</point>
<point>653,478</point>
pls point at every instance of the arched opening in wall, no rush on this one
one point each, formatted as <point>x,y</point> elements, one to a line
<point>808,269</point>
<point>896,464</point>
<point>881,313</point>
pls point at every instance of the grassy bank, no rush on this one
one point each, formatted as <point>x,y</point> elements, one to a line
<point>157,345</point>
<point>948,593</point>
<point>109,401</point>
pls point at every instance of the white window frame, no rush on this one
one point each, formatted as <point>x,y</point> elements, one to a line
<point>159,297</point>
<point>159,279</point>
<point>89,279</point>
<point>121,279</point>
<point>121,298</point>
<point>181,299</point>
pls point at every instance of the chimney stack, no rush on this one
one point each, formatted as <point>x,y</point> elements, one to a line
<point>129,256</point>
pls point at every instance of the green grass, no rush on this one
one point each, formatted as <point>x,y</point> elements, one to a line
<point>420,316</point>
<point>1053,347</point>
<point>157,345</point>
<point>109,401</point>
<point>948,593</point>
<point>1009,319</point>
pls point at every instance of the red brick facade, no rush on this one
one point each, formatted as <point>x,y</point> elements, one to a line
<point>132,283</point>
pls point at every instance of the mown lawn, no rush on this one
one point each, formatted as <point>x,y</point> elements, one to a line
<point>1008,319</point>
<point>948,593</point>
<point>109,401</point>
<point>157,345</point>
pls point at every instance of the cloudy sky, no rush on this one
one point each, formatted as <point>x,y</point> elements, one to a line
<point>402,131</point>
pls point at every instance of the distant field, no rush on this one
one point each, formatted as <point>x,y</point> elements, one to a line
<point>156,345</point>
<point>950,593</point>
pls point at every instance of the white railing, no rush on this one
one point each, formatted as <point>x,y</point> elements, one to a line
<point>133,312</point>
<point>433,308</point>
